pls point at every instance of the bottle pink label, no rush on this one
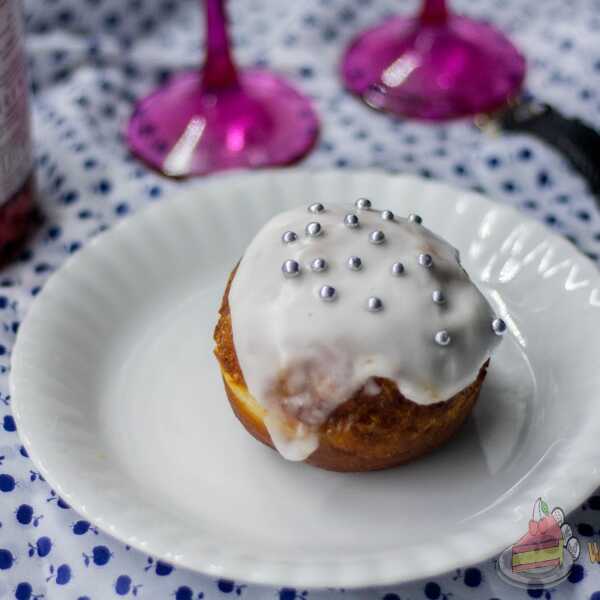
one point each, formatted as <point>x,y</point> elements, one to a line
<point>15,142</point>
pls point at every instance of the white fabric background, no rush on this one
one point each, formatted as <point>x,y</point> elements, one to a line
<point>90,58</point>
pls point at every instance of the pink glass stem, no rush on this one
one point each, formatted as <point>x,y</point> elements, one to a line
<point>433,12</point>
<point>218,118</point>
<point>433,66</point>
<point>219,69</point>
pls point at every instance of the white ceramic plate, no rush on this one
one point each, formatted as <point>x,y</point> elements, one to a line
<point>119,402</point>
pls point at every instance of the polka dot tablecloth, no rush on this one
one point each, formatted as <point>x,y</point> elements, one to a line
<point>90,58</point>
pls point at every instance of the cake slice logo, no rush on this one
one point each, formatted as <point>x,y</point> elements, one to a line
<point>545,554</point>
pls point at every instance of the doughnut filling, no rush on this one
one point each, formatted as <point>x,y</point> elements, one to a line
<point>330,302</point>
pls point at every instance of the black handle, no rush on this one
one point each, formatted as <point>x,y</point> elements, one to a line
<point>578,142</point>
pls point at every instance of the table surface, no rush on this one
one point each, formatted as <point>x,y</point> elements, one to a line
<point>90,58</point>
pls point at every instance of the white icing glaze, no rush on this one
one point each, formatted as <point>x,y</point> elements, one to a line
<point>302,357</point>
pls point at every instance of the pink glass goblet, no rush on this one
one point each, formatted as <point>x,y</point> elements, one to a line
<point>219,118</point>
<point>434,66</point>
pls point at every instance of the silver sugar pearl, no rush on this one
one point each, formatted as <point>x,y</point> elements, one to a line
<point>387,215</point>
<point>316,208</point>
<point>327,293</point>
<point>351,221</point>
<point>397,268</point>
<point>290,268</point>
<point>313,229</point>
<point>288,237</point>
<point>318,265</point>
<point>425,260</point>
<point>413,218</point>
<point>363,204</point>
<point>377,237</point>
<point>438,297</point>
<point>442,338</point>
<point>374,304</point>
<point>499,326</point>
<point>354,263</point>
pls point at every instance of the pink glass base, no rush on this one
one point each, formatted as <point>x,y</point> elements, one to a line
<point>183,129</point>
<point>456,68</point>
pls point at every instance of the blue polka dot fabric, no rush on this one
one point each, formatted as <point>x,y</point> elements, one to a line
<point>89,60</point>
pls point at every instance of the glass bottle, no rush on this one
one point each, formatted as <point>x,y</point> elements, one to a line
<point>17,187</point>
